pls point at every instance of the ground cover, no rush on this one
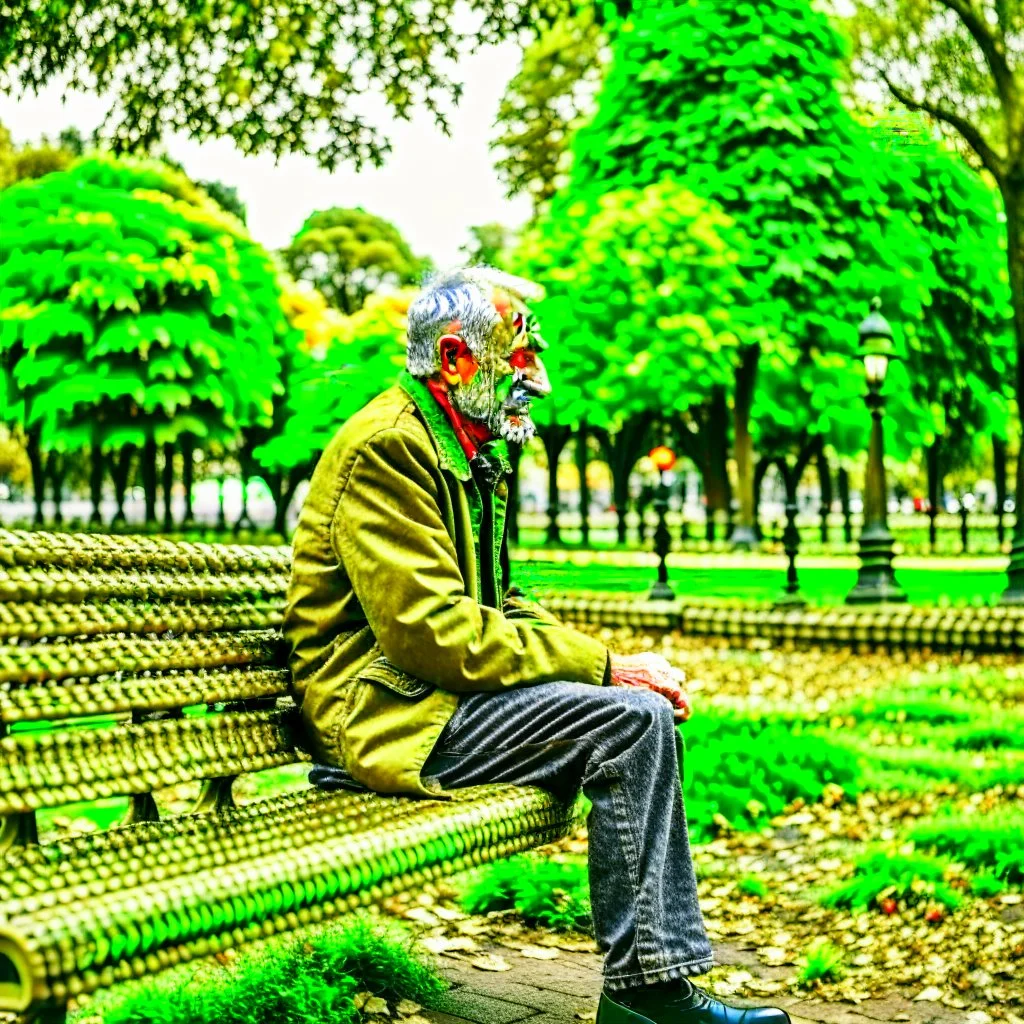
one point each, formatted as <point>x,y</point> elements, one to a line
<point>740,582</point>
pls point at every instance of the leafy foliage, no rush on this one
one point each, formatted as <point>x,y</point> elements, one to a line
<point>908,879</point>
<point>307,982</point>
<point>746,770</point>
<point>544,103</point>
<point>822,962</point>
<point>552,894</point>
<point>349,254</point>
<point>991,842</point>
<point>132,307</point>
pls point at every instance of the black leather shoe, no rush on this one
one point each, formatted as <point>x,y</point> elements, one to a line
<point>696,1007</point>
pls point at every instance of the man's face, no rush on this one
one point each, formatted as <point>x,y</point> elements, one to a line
<point>508,376</point>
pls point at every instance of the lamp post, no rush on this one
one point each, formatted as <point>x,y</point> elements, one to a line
<point>876,581</point>
<point>664,459</point>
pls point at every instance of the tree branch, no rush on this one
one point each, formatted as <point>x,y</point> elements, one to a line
<point>990,47</point>
<point>989,157</point>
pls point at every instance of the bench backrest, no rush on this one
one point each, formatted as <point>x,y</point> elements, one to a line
<point>130,664</point>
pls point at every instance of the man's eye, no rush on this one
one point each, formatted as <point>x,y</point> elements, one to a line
<point>521,359</point>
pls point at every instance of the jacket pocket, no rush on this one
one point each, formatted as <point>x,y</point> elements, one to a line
<point>393,678</point>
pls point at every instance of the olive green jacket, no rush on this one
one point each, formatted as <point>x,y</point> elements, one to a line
<point>391,614</point>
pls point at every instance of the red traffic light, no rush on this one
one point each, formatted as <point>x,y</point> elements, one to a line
<point>663,458</point>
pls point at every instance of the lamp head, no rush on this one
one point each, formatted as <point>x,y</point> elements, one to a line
<point>877,346</point>
<point>663,458</point>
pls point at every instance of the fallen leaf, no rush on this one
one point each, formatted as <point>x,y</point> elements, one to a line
<point>491,962</point>
<point>539,952</point>
<point>932,994</point>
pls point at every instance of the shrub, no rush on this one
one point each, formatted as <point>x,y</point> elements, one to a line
<point>749,770</point>
<point>987,886</point>
<point>885,876</point>
<point>553,894</point>
<point>751,885</point>
<point>822,962</point>
<point>991,842</point>
<point>308,981</point>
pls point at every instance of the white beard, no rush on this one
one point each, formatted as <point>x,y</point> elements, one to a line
<point>517,433</point>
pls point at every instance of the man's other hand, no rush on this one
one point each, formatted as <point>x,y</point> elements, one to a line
<point>652,672</point>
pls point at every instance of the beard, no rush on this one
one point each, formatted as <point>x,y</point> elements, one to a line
<point>504,408</point>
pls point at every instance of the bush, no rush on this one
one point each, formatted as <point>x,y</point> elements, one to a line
<point>552,894</point>
<point>991,842</point>
<point>883,876</point>
<point>822,962</point>
<point>749,770</point>
<point>308,981</point>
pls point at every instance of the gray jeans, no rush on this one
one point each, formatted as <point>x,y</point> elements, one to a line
<point>622,747</point>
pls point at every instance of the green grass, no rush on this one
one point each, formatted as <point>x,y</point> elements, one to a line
<point>552,894</point>
<point>991,841</point>
<point>308,981</point>
<point>822,962</point>
<point>818,586</point>
<point>748,770</point>
<point>906,879</point>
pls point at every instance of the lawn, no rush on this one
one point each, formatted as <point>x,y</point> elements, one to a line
<point>820,586</point>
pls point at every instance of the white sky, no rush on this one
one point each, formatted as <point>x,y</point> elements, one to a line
<point>432,188</point>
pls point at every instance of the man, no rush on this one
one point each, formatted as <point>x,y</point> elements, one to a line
<point>418,672</point>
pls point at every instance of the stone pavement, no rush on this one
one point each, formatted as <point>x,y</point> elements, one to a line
<point>565,990</point>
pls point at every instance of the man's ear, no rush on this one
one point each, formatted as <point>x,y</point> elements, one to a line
<point>458,364</point>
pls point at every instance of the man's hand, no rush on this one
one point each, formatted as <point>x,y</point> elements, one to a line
<point>652,672</point>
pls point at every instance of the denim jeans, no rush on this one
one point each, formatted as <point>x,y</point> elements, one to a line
<point>621,745</point>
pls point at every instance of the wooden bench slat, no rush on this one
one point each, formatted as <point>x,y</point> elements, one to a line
<point>156,851</point>
<point>39,620</point>
<point>131,654</point>
<point>73,949</point>
<point>50,769</point>
<point>57,699</point>
<point>78,551</point>
<point>59,586</point>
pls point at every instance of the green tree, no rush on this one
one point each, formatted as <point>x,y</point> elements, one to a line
<point>489,244</point>
<point>334,365</point>
<point>283,78</point>
<point>133,313</point>
<point>738,102</point>
<point>226,197</point>
<point>545,102</point>
<point>348,254</point>
<point>642,285</point>
<point>960,62</point>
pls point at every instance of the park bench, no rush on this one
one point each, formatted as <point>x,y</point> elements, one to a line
<point>129,665</point>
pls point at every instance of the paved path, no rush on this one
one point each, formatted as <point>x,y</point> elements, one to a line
<point>565,990</point>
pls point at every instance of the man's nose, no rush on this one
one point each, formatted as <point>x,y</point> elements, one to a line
<point>535,378</point>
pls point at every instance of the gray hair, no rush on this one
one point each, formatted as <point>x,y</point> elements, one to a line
<point>462,294</point>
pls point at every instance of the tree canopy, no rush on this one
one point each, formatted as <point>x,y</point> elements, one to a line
<point>349,254</point>
<point>279,78</point>
<point>133,309</point>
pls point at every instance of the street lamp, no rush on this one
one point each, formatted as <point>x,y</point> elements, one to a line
<point>664,459</point>
<point>876,581</point>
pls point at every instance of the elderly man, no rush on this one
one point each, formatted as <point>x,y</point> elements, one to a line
<point>418,672</point>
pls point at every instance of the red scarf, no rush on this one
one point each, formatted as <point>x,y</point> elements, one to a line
<point>471,435</point>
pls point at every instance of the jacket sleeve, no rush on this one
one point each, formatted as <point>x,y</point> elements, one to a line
<point>390,537</point>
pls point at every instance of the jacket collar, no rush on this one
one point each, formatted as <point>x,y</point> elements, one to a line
<point>449,452</point>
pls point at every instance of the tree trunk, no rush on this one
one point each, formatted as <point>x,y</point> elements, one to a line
<point>716,475</point>
<point>999,461</point>
<point>843,480</point>
<point>581,468</point>
<point>37,461</point>
<point>283,499</point>
<point>621,451</point>
<point>168,486</point>
<point>745,534</point>
<point>188,448</point>
<point>825,483</point>
<point>555,439</point>
<point>1013,199</point>
<point>245,466</point>
<point>515,455</point>
<point>934,490</point>
<point>120,467</point>
<point>148,467</point>
<point>760,471</point>
<point>96,482</point>
<point>56,470</point>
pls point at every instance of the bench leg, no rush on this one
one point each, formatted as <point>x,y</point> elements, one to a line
<point>47,1015</point>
